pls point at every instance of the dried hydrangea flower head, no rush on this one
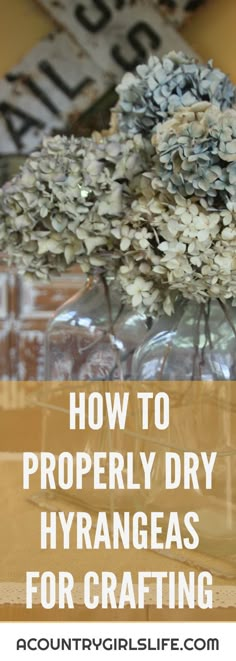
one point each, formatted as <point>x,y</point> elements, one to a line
<point>157,206</point>
<point>56,212</point>
<point>196,155</point>
<point>173,247</point>
<point>162,86</point>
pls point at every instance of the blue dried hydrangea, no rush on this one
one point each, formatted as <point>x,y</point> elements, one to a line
<point>162,86</point>
<point>196,156</point>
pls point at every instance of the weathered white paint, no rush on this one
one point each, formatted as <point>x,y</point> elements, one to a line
<point>56,79</point>
<point>114,31</point>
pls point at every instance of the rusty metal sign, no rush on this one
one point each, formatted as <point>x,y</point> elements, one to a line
<point>116,34</point>
<point>56,78</point>
<point>68,73</point>
<point>176,11</point>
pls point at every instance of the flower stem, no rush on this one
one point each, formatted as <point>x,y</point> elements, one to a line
<point>118,362</point>
<point>227,315</point>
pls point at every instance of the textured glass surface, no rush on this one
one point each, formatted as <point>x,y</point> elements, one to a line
<point>93,336</point>
<point>198,342</point>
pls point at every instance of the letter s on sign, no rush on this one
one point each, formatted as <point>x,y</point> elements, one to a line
<point>134,37</point>
<point>102,20</point>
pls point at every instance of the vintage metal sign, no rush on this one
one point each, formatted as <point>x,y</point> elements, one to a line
<point>176,11</point>
<point>116,34</point>
<point>36,97</point>
<point>62,76</point>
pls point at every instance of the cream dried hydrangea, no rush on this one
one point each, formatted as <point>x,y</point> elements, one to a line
<point>175,246</point>
<point>159,88</point>
<point>57,211</point>
<point>196,155</point>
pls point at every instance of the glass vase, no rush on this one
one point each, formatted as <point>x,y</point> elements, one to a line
<point>197,343</point>
<point>93,336</point>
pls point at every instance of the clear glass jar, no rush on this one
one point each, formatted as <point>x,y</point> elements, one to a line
<point>196,343</point>
<point>93,335</point>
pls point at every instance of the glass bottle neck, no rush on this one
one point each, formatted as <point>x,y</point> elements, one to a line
<point>99,276</point>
